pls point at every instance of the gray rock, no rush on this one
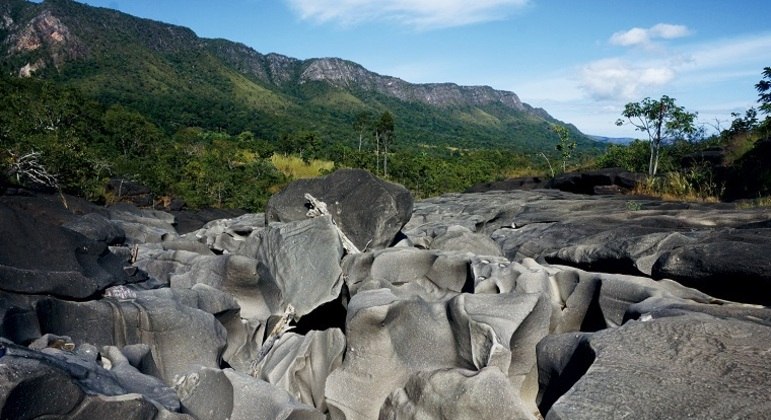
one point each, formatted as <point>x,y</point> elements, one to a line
<point>300,365</point>
<point>370,211</point>
<point>134,381</point>
<point>59,383</point>
<point>702,245</point>
<point>431,274</point>
<point>142,225</point>
<point>732,268</point>
<point>300,260</point>
<point>180,337</point>
<point>233,274</point>
<point>18,318</point>
<point>660,307</point>
<point>39,258</point>
<point>98,228</point>
<point>231,235</point>
<point>694,366</point>
<point>226,394</point>
<point>459,239</point>
<point>455,394</point>
<point>390,338</point>
<point>601,300</point>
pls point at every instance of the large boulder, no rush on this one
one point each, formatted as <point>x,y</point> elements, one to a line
<point>181,337</point>
<point>97,227</point>
<point>734,267</point>
<point>142,225</point>
<point>231,236</point>
<point>301,260</point>
<point>41,258</point>
<point>59,383</point>
<point>369,211</point>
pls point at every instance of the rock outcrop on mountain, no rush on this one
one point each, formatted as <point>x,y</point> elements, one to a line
<point>503,304</point>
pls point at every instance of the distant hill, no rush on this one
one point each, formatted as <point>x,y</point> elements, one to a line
<point>179,80</point>
<point>612,140</point>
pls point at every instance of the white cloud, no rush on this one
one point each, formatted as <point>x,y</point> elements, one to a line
<point>420,14</point>
<point>645,37</point>
<point>736,52</point>
<point>619,79</point>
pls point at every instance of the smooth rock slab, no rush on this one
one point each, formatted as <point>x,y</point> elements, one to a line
<point>690,366</point>
<point>302,261</point>
<point>732,269</point>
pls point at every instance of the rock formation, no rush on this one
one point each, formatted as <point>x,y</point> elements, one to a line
<point>499,304</point>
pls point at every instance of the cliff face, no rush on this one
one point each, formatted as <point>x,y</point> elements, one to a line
<point>44,37</point>
<point>346,74</point>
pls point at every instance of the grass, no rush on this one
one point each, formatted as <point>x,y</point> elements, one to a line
<point>691,185</point>
<point>759,202</point>
<point>295,168</point>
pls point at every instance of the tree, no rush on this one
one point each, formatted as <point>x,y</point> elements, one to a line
<point>130,130</point>
<point>384,131</point>
<point>361,124</point>
<point>764,91</point>
<point>565,146</point>
<point>662,120</point>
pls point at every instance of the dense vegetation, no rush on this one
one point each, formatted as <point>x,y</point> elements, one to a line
<point>84,143</point>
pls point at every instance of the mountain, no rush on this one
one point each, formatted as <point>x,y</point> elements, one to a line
<point>178,79</point>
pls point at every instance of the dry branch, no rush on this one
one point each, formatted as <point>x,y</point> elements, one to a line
<point>319,208</point>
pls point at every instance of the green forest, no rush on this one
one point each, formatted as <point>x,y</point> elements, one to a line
<point>59,137</point>
<point>83,144</point>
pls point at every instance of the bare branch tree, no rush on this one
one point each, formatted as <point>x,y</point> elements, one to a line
<point>27,169</point>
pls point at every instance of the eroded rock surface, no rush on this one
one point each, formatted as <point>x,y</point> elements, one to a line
<point>689,366</point>
<point>521,305</point>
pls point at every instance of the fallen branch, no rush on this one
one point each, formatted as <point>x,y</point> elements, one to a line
<point>319,208</point>
<point>278,330</point>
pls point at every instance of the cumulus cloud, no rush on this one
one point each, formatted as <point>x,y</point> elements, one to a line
<point>645,37</point>
<point>616,78</point>
<point>420,14</point>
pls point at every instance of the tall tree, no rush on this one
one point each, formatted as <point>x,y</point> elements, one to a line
<point>362,124</point>
<point>662,120</point>
<point>566,145</point>
<point>764,98</point>
<point>384,132</point>
<point>764,91</point>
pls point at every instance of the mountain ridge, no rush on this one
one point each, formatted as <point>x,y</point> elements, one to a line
<point>80,45</point>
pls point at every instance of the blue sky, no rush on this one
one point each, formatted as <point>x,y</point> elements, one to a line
<point>579,60</point>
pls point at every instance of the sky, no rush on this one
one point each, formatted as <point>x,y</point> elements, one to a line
<point>581,61</point>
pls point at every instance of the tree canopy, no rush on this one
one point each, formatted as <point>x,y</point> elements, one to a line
<point>661,120</point>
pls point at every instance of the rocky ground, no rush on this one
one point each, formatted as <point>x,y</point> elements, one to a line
<point>485,305</point>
